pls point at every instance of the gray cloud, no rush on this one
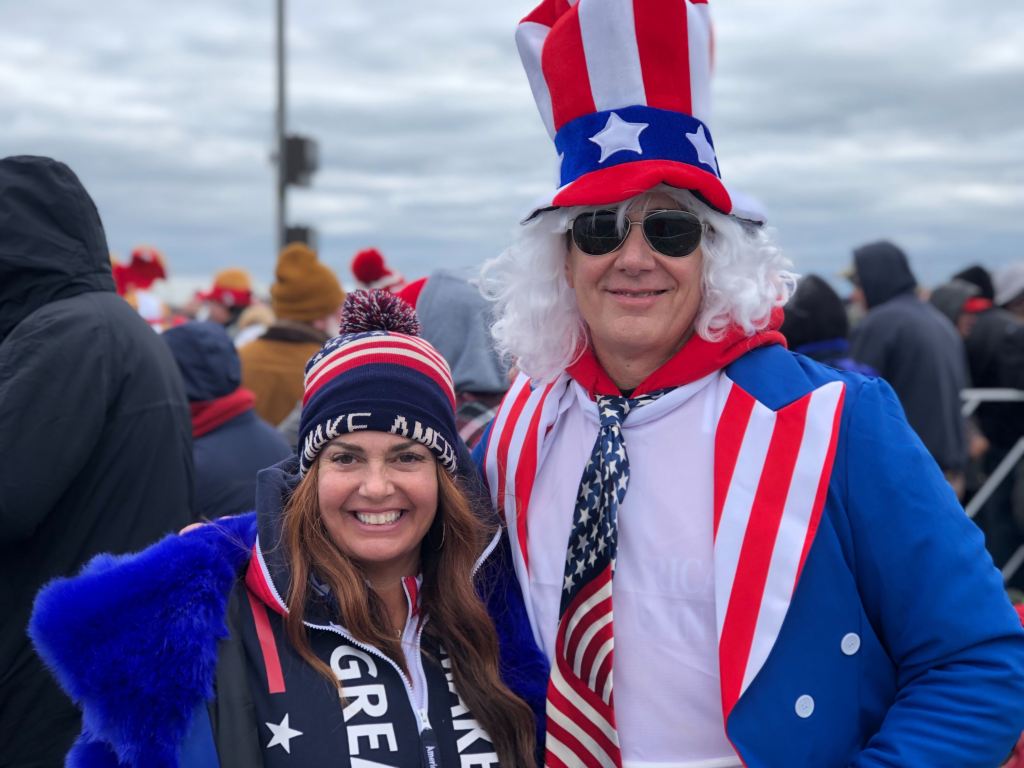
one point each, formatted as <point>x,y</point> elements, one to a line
<point>849,122</point>
<point>898,121</point>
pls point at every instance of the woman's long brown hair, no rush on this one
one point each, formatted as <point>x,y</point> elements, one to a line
<point>457,617</point>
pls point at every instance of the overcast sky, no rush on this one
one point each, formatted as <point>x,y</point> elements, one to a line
<point>850,121</point>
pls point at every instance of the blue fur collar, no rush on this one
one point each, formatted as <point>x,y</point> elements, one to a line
<point>133,640</point>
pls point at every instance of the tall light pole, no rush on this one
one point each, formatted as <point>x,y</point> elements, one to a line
<point>282,181</point>
<point>297,157</point>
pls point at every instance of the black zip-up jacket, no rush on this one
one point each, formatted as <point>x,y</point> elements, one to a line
<point>390,716</point>
<point>95,436</point>
<point>995,353</point>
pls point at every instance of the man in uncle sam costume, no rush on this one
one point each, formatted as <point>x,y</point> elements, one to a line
<point>793,582</point>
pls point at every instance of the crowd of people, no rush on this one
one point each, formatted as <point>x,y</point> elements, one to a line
<point>389,526</point>
<point>930,345</point>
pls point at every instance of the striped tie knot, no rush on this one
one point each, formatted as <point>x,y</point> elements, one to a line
<point>613,409</point>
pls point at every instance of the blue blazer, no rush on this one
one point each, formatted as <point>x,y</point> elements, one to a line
<point>900,647</point>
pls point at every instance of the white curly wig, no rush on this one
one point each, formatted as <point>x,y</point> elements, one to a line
<point>537,323</point>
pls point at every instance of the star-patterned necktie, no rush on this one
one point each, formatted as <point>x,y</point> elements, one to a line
<point>580,704</point>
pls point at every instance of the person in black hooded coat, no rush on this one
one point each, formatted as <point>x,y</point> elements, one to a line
<point>916,349</point>
<point>994,340</point>
<point>97,446</point>
<point>995,359</point>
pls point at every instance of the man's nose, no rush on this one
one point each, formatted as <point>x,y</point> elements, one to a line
<point>635,254</point>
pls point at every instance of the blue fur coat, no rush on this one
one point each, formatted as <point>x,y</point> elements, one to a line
<point>133,640</point>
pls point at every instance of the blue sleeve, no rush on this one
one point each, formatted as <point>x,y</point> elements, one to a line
<point>197,749</point>
<point>933,596</point>
<point>86,753</point>
<point>524,667</point>
<point>480,452</point>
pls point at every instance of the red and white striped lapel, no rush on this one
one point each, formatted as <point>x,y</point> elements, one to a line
<point>772,471</point>
<point>514,451</point>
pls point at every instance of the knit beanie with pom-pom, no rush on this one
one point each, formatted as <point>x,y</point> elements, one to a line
<point>378,375</point>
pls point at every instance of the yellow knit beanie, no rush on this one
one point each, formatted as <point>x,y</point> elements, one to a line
<point>304,289</point>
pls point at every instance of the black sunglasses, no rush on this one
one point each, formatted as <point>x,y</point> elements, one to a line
<point>670,233</point>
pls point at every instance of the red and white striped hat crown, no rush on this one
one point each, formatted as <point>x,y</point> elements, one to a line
<point>623,87</point>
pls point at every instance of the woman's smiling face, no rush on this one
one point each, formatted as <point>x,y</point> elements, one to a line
<point>378,496</point>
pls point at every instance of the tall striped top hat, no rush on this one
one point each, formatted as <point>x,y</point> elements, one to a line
<point>378,375</point>
<point>623,87</point>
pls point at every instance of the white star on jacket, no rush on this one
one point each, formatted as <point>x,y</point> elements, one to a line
<point>282,735</point>
<point>705,152</point>
<point>618,136</point>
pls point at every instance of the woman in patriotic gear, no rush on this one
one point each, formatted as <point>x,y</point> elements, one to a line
<point>794,582</point>
<point>338,625</point>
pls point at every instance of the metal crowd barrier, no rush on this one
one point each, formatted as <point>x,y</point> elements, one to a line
<point>972,398</point>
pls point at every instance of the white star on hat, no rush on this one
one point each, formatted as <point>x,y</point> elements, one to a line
<point>283,735</point>
<point>618,136</point>
<point>705,152</point>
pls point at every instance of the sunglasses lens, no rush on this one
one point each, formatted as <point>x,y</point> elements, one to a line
<point>597,233</point>
<point>673,233</point>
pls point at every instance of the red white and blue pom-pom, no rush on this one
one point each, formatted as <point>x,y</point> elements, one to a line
<point>377,310</point>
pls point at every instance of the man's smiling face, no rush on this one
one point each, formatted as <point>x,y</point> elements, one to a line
<point>637,303</point>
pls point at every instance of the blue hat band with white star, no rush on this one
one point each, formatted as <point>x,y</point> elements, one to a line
<point>615,137</point>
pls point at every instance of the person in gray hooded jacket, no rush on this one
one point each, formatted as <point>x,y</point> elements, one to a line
<point>916,349</point>
<point>457,320</point>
